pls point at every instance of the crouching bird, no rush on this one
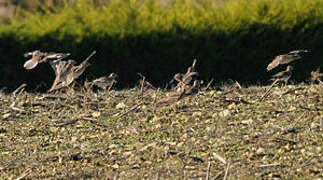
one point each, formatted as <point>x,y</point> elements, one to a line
<point>105,81</point>
<point>316,76</point>
<point>283,76</point>
<point>182,93</point>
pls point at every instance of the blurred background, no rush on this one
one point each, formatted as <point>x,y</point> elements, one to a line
<point>231,39</point>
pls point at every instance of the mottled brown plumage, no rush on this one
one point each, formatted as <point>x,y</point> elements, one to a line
<point>183,92</point>
<point>66,73</point>
<point>190,76</point>
<point>105,81</point>
<point>316,76</point>
<point>185,79</point>
<point>285,58</point>
<point>283,76</point>
<point>41,57</point>
<point>62,69</point>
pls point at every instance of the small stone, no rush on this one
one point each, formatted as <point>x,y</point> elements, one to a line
<point>115,166</point>
<point>21,103</point>
<point>248,122</point>
<point>225,113</point>
<point>197,114</point>
<point>260,151</point>
<point>7,115</point>
<point>96,114</point>
<point>112,146</point>
<point>232,106</point>
<point>314,125</point>
<point>180,144</point>
<point>121,105</point>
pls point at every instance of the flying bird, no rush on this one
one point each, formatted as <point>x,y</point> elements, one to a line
<point>286,58</point>
<point>41,57</point>
<point>283,76</point>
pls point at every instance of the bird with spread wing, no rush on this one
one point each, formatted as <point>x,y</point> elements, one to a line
<point>286,58</point>
<point>66,72</point>
<point>41,57</point>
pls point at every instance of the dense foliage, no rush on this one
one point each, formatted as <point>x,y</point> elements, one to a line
<point>236,39</point>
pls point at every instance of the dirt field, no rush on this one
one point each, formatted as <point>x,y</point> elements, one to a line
<point>227,133</point>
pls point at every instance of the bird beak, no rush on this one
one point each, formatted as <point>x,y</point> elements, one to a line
<point>28,54</point>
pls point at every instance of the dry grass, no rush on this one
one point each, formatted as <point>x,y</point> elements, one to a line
<point>78,135</point>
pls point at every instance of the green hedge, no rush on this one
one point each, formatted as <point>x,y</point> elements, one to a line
<point>235,40</point>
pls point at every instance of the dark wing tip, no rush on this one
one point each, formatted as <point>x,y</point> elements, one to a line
<point>299,51</point>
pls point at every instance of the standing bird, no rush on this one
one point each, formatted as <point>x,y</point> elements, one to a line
<point>41,57</point>
<point>286,58</point>
<point>283,76</point>
<point>105,81</point>
<point>316,76</point>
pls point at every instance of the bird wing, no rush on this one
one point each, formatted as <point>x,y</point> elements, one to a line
<point>194,64</point>
<point>58,75</point>
<point>274,63</point>
<point>298,51</point>
<point>54,56</point>
<point>30,64</point>
<point>78,70</point>
<point>282,74</point>
<point>54,64</point>
<point>289,58</point>
<point>279,75</point>
<point>188,78</point>
<point>100,80</point>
